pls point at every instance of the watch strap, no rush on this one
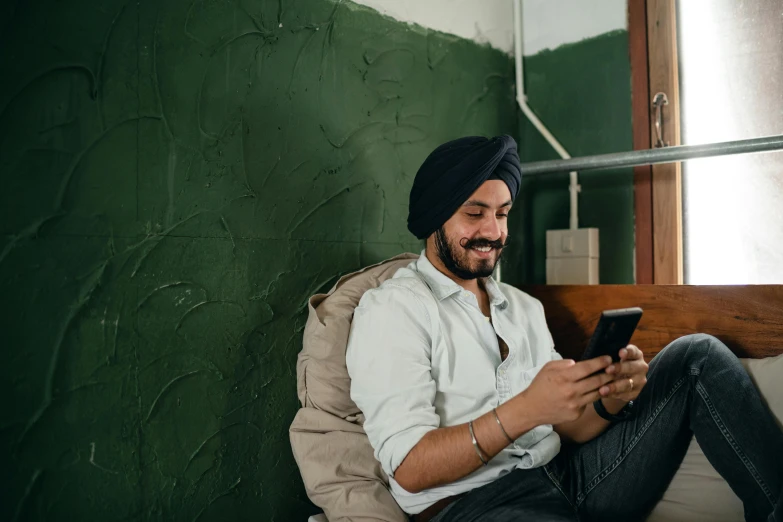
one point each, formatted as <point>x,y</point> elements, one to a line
<point>622,415</point>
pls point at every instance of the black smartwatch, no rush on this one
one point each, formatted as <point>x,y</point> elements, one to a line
<point>624,414</point>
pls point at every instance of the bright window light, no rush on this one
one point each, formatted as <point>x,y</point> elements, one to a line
<point>731,76</point>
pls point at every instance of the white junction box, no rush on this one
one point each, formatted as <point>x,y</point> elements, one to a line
<point>572,257</point>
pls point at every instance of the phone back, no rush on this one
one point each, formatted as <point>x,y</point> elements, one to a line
<point>613,333</point>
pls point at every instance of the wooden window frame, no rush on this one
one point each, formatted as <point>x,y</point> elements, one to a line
<point>652,33</point>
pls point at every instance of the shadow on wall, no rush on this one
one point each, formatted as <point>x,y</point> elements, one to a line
<point>177,179</point>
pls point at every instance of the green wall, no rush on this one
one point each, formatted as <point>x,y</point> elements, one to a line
<point>176,179</point>
<point>582,93</point>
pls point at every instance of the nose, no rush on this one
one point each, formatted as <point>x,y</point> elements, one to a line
<point>491,228</point>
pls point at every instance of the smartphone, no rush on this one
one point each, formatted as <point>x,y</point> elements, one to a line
<point>613,333</point>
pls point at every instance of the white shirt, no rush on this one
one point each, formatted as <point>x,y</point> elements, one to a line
<point>422,355</point>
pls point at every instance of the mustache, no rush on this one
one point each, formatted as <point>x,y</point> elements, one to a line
<point>481,242</point>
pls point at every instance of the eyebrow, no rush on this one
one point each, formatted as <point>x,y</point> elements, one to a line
<point>476,203</point>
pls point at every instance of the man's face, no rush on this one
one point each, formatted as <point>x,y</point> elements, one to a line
<point>470,243</point>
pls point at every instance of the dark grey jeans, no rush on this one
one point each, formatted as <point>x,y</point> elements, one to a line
<point>695,386</point>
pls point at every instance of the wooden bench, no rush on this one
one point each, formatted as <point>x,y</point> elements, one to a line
<point>747,318</point>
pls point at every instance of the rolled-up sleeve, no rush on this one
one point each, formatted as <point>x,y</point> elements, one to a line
<point>388,360</point>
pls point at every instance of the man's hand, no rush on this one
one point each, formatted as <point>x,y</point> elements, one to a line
<point>614,394</point>
<point>628,376</point>
<point>561,389</point>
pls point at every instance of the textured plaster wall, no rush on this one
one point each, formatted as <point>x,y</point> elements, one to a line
<point>176,178</point>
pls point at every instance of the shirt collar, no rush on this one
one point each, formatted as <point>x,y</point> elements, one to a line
<point>443,286</point>
<point>496,296</point>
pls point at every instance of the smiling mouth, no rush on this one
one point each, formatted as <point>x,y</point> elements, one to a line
<point>485,252</point>
<point>485,249</point>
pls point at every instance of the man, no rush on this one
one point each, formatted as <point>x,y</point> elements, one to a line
<point>467,402</point>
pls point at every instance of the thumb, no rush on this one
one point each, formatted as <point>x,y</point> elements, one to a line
<point>562,363</point>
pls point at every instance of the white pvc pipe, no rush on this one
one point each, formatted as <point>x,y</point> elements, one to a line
<point>574,187</point>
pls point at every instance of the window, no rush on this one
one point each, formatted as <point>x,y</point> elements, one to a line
<point>731,87</point>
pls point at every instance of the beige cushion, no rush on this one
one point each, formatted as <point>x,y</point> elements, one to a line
<point>697,492</point>
<point>335,458</point>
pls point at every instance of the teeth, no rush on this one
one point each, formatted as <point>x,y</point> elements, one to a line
<point>483,249</point>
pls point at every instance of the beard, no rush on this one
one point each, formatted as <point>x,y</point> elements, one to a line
<point>456,257</point>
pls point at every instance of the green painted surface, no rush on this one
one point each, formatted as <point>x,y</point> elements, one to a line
<point>177,178</point>
<point>582,93</point>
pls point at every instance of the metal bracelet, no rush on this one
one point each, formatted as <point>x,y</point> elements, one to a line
<point>510,440</point>
<point>475,444</point>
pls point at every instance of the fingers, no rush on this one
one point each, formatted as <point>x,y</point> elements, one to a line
<point>628,367</point>
<point>631,352</point>
<point>631,362</point>
<point>561,363</point>
<point>582,369</point>
<point>590,398</point>
<point>623,386</point>
<point>593,383</point>
<point>617,387</point>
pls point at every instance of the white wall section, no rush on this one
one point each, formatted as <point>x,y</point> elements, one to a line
<point>484,21</point>
<point>548,24</point>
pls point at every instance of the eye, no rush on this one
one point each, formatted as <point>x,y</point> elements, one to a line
<point>502,216</point>
<point>474,215</point>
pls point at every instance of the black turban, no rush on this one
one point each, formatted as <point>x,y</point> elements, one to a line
<point>454,171</point>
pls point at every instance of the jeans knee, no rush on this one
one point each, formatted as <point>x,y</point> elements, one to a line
<point>695,350</point>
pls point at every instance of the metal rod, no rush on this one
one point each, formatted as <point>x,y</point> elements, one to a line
<point>654,156</point>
